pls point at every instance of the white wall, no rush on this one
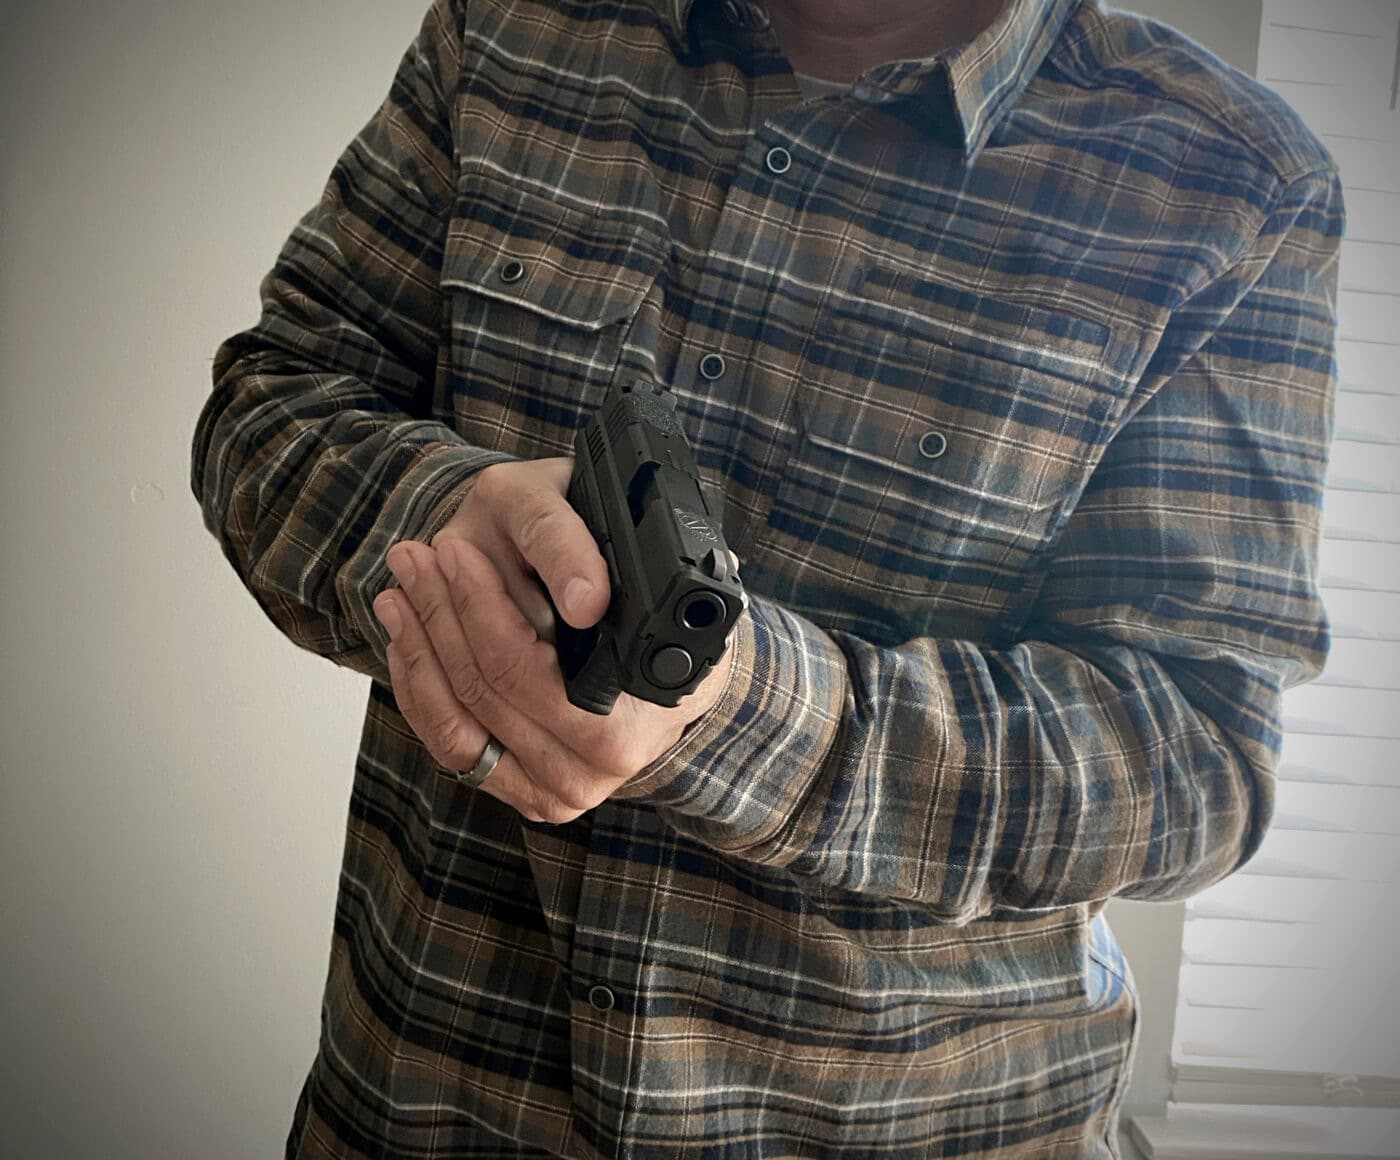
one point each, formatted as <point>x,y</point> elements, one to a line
<point>173,773</point>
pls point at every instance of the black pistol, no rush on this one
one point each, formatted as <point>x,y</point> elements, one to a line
<point>675,584</point>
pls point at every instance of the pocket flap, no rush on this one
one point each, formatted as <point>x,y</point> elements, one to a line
<point>994,401</point>
<point>514,245</point>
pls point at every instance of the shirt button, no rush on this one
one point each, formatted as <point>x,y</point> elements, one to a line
<point>712,366</point>
<point>601,998</point>
<point>933,444</point>
<point>779,160</point>
<point>512,271</point>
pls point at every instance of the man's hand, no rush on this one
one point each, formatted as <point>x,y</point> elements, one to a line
<point>466,662</point>
<point>516,515</point>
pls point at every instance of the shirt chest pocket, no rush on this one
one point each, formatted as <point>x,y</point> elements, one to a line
<point>541,305</point>
<point>940,438</point>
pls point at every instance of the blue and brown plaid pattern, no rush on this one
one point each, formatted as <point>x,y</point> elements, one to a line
<point>1019,419</point>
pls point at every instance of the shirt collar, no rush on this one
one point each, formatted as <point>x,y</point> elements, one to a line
<point>984,77</point>
<point>988,75</point>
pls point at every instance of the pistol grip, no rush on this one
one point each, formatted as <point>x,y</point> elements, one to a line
<point>590,674</point>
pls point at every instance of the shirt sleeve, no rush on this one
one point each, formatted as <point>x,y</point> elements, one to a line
<point>1127,742</point>
<point>314,453</point>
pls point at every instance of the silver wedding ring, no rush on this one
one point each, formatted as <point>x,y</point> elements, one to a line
<point>479,772</point>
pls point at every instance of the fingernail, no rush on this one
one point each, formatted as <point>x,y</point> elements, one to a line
<point>388,616</point>
<point>401,565</point>
<point>576,593</point>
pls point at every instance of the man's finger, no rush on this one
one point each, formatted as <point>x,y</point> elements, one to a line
<point>481,661</point>
<point>453,737</point>
<point>553,540</point>
<point>521,583</point>
<point>522,672</point>
<point>417,568</point>
<point>484,654</point>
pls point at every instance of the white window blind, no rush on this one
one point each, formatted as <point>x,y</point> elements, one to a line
<point>1289,975</point>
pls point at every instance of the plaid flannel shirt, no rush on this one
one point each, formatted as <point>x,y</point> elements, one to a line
<point>1014,369</point>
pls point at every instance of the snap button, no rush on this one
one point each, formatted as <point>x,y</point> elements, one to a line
<point>779,160</point>
<point>512,271</point>
<point>933,444</point>
<point>712,366</point>
<point>601,998</point>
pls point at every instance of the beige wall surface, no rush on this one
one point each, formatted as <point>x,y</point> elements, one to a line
<point>173,773</point>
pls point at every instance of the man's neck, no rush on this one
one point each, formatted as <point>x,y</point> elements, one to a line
<point>840,39</point>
